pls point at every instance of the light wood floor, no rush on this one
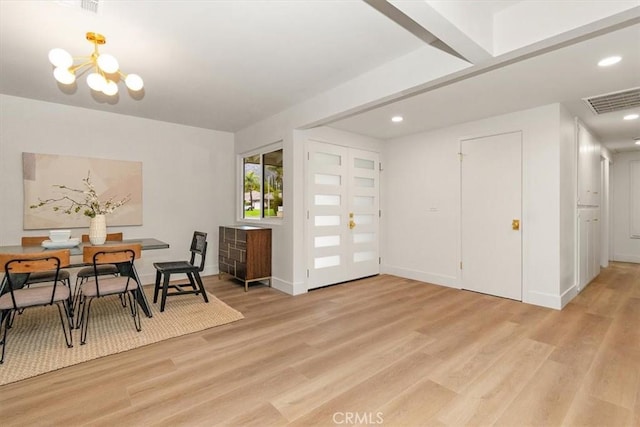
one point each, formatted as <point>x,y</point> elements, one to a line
<point>380,350</point>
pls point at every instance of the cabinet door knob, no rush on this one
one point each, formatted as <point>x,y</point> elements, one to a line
<point>515,224</point>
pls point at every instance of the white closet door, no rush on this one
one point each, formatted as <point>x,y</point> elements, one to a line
<point>491,201</point>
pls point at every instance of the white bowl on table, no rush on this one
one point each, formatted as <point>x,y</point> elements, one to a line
<point>59,236</point>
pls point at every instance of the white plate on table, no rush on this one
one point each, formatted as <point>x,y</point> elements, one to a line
<point>71,243</point>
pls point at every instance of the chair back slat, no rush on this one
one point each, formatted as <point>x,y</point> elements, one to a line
<point>199,247</point>
<point>199,242</point>
<point>110,254</point>
<point>35,261</point>
<point>111,237</point>
<point>33,240</point>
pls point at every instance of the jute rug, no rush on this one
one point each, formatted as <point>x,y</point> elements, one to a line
<point>36,345</point>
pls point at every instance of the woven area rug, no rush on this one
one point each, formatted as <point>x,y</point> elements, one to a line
<point>36,345</point>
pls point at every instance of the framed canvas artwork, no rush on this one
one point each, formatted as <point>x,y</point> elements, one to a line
<point>113,180</point>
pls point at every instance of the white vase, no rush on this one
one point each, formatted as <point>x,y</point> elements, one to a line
<point>98,230</point>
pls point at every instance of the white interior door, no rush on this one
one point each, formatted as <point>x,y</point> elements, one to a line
<point>491,202</point>
<point>343,214</point>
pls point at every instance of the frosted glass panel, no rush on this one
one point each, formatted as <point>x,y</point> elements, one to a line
<point>364,163</point>
<point>363,201</point>
<point>328,159</point>
<point>327,200</point>
<point>325,179</point>
<point>363,219</point>
<point>326,261</point>
<point>363,182</point>
<point>326,220</point>
<point>363,237</point>
<point>326,241</point>
<point>363,256</point>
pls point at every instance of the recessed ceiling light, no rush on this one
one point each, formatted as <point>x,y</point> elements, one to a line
<point>397,119</point>
<point>609,61</point>
<point>631,116</point>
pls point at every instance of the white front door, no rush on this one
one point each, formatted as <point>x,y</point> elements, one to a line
<point>491,204</point>
<point>343,214</point>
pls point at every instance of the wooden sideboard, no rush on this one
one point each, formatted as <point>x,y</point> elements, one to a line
<point>244,251</point>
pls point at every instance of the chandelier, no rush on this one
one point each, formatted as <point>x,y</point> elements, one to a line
<point>105,70</point>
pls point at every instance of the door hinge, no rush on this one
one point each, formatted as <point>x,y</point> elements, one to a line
<point>379,260</point>
<point>460,156</point>
<point>307,273</point>
<point>380,166</point>
<point>460,265</point>
<point>379,213</point>
<point>307,214</point>
<point>308,157</point>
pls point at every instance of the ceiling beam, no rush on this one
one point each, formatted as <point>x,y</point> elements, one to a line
<point>430,26</point>
<point>406,22</point>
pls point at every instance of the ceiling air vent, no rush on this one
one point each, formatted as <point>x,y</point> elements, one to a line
<point>616,101</point>
<point>90,5</point>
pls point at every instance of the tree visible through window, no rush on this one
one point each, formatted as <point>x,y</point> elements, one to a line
<point>263,185</point>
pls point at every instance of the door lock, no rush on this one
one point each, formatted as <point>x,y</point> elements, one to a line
<point>515,224</point>
<point>352,223</point>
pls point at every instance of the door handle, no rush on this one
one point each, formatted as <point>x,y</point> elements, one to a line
<point>515,224</point>
<point>352,223</point>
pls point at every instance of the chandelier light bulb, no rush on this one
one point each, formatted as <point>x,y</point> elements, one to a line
<point>60,58</point>
<point>96,81</point>
<point>102,70</point>
<point>108,63</point>
<point>64,76</point>
<point>111,88</point>
<point>134,82</point>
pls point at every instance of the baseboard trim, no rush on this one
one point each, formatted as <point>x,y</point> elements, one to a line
<point>289,288</point>
<point>544,299</point>
<point>568,295</point>
<point>422,276</point>
<point>627,258</point>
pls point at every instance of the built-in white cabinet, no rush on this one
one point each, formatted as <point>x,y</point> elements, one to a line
<point>588,205</point>
<point>588,245</point>
<point>589,176</point>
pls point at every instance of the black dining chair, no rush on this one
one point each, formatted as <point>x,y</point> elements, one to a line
<point>43,276</point>
<point>18,296</point>
<point>97,286</point>
<point>190,268</point>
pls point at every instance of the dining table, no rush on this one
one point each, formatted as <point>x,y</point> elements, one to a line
<point>76,261</point>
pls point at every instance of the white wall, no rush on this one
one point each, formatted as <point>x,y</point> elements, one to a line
<point>188,173</point>
<point>624,247</point>
<point>421,207</point>
<point>285,258</point>
<point>530,21</point>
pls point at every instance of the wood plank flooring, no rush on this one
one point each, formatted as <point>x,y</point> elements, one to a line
<point>382,350</point>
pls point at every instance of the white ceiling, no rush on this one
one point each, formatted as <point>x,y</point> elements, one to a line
<point>213,64</point>
<point>566,76</point>
<point>227,64</point>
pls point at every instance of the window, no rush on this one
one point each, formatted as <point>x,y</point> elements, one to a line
<point>262,189</point>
